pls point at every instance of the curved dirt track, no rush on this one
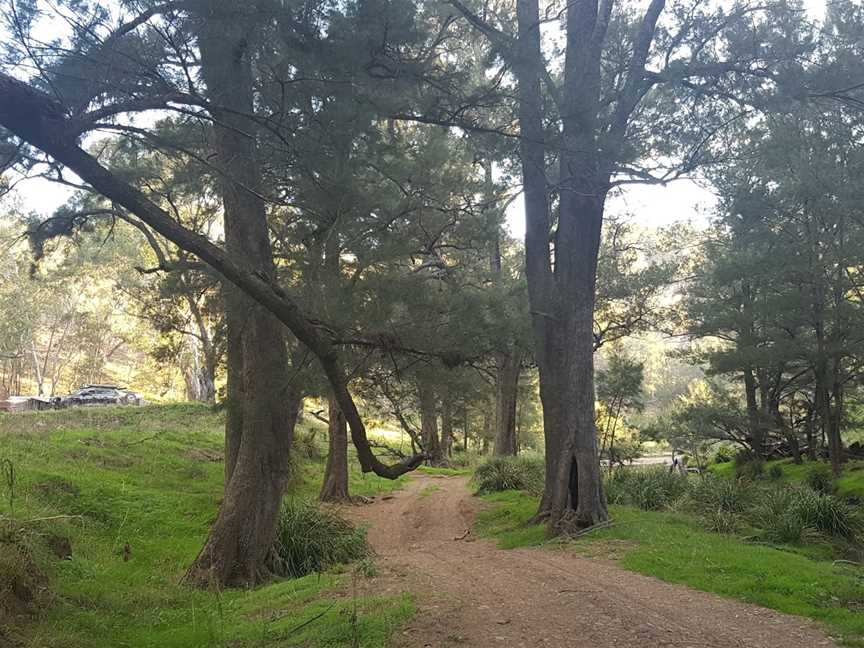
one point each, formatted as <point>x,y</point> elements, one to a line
<point>472,594</point>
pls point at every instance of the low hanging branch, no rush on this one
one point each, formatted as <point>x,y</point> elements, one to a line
<point>38,119</point>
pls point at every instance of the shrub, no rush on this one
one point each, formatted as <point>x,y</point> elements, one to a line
<point>775,472</point>
<point>723,455</point>
<point>312,539</point>
<point>510,473</point>
<point>650,490</point>
<point>821,480</point>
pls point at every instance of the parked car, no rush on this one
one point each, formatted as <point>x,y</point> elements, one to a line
<point>99,395</point>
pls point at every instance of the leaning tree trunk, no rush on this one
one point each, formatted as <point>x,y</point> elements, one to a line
<point>335,487</point>
<point>262,405</point>
<point>507,390</point>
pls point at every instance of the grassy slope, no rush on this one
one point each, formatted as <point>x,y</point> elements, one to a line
<point>850,483</point>
<point>146,477</point>
<point>673,547</point>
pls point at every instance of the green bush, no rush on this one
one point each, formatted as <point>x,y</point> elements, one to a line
<point>312,539</point>
<point>651,489</point>
<point>821,480</point>
<point>723,455</point>
<point>775,472</point>
<point>510,473</point>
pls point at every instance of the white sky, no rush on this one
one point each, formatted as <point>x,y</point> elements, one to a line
<point>682,200</point>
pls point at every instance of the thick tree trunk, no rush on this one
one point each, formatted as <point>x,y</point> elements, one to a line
<point>561,289</point>
<point>335,487</point>
<point>509,367</point>
<point>262,405</point>
<point>429,424</point>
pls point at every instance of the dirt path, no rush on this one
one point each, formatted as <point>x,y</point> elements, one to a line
<point>472,594</point>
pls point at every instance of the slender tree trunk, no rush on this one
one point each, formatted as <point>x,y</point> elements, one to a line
<point>446,426</point>
<point>208,368</point>
<point>835,413</point>
<point>429,423</point>
<point>335,487</point>
<point>753,419</point>
<point>811,438</point>
<point>465,430</point>
<point>262,404</point>
<point>508,361</point>
<point>509,366</point>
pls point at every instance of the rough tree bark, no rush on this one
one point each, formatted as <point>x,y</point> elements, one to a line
<point>335,486</point>
<point>262,404</point>
<point>508,361</point>
<point>429,423</point>
<point>446,425</point>
<point>508,368</point>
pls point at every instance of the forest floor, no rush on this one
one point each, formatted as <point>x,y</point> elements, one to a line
<point>471,593</point>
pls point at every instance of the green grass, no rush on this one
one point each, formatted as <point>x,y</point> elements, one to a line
<point>152,478</point>
<point>673,547</point>
<point>850,483</point>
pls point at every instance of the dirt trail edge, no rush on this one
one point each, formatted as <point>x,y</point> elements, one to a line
<point>472,594</point>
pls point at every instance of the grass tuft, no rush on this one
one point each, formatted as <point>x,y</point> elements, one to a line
<point>510,473</point>
<point>313,539</point>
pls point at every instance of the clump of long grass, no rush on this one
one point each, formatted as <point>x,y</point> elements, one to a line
<point>651,489</point>
<point>510,473</point>
<point>314,539</point>
<point>800,515</point>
